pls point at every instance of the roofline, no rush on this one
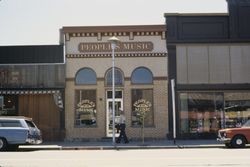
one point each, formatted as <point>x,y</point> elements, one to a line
<point>30,45</point>
<point>195,14</point>
<point>116,28</point>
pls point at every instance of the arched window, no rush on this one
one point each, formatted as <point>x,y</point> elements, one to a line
<point>85,76</point>
<point>142,75</point>
<point>119,79</point>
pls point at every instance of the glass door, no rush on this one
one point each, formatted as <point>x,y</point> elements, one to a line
<point>109,113</point>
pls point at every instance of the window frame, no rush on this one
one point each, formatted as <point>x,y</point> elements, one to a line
<point>106,77</point>
<point>87,83</point>
<point>152,107</point>
<point>142,83</point>
<point>75,109</point>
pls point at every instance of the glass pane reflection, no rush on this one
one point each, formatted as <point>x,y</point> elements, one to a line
<point>202,114</point>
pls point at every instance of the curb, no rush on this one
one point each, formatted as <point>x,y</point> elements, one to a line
<point>57,147</point>
<point>141,147</point>
<point>39,147</point>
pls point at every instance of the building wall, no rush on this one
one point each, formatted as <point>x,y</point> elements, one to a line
<point>127,61</point>
<point>127,64</point>
<point>209,61</point>
<point>160,112</point>
<point>32,81</point>
<point>124,63</point>
<point>46,117</point>
<point>217,63</point>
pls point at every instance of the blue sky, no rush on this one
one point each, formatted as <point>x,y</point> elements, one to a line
<point>37,22</point>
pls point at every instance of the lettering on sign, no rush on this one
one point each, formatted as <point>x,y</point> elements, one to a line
<point>85,107</point>
<point>121,47</point>
<point>142,105</point>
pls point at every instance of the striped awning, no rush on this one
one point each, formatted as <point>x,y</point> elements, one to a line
<point>17,92</point>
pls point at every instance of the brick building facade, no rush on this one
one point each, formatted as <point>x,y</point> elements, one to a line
<point>140,79</point>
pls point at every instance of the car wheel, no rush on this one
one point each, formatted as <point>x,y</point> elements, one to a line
<point>239,141</point>
<point>13,147</point>
<point>3,144</point>
<point>228,145</point>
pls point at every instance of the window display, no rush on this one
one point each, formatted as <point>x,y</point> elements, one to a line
<point>85,112</point>
<point>8,105</point>
<point>237,109</point>
<point>142,106</point>
<point>204,113</point>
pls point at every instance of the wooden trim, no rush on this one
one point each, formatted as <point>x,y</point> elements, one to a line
<point>100,31</point>
<point>117,55</point>
<point>70,79</point>
<point>160,78</point>
<point>125,79</point>
<point>109,29</point>
<point>212,87</point>
<point>38,92</point>
<point>73,79</point>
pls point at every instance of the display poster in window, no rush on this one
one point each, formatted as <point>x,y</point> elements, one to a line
<point>86,108</point>
<point>142,108</point>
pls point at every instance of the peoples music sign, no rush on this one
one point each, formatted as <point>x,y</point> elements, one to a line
<point>85,106</point>
<point>121,47</point>
<point>142,105</point>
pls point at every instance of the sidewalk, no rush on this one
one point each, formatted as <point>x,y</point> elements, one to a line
<point>101,145</point>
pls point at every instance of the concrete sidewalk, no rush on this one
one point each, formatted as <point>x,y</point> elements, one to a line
<point>101,145</point>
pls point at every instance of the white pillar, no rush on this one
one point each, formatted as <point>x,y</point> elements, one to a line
<point>173,107</point>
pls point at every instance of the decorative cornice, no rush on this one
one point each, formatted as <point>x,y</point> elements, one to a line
<point>116,55</point>
<point>99,34</point>
<point>104,31</point>
<point>115,29</point>
<point>125,78</point>
<point>14,92</point>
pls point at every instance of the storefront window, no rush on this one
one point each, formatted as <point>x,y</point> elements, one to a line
<point>118,77</point>
<point>200,113</point>
<point>142,106</point>
<point>32,76</point>
<point>204,113</point>
<point>142,75</point>
<point>237,109</point>
<point>8,105</point>
<point>85,76</point>
<point>85,112</point>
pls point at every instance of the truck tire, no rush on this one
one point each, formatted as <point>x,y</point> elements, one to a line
<point>3,144</point>
<point>239,141</point>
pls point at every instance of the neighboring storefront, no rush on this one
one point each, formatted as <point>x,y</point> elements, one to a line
<point>32,81</point>
<point>209,59</point>
<point>140,81</point>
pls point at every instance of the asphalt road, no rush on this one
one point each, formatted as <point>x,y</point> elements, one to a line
<point>211,157</point>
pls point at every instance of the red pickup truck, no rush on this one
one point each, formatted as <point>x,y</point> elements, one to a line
<point>235,137</point>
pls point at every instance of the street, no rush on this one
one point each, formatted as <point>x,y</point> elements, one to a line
<point>215,157</point>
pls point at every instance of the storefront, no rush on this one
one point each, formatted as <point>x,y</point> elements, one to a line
<point>209,61</point>
<point>203,113</point>
<point>32,81</point>
<point>140,81</point>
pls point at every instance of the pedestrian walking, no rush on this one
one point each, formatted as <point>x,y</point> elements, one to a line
<point>122,127</point>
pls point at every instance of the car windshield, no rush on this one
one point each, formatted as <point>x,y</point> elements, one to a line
<point>247,124</point>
